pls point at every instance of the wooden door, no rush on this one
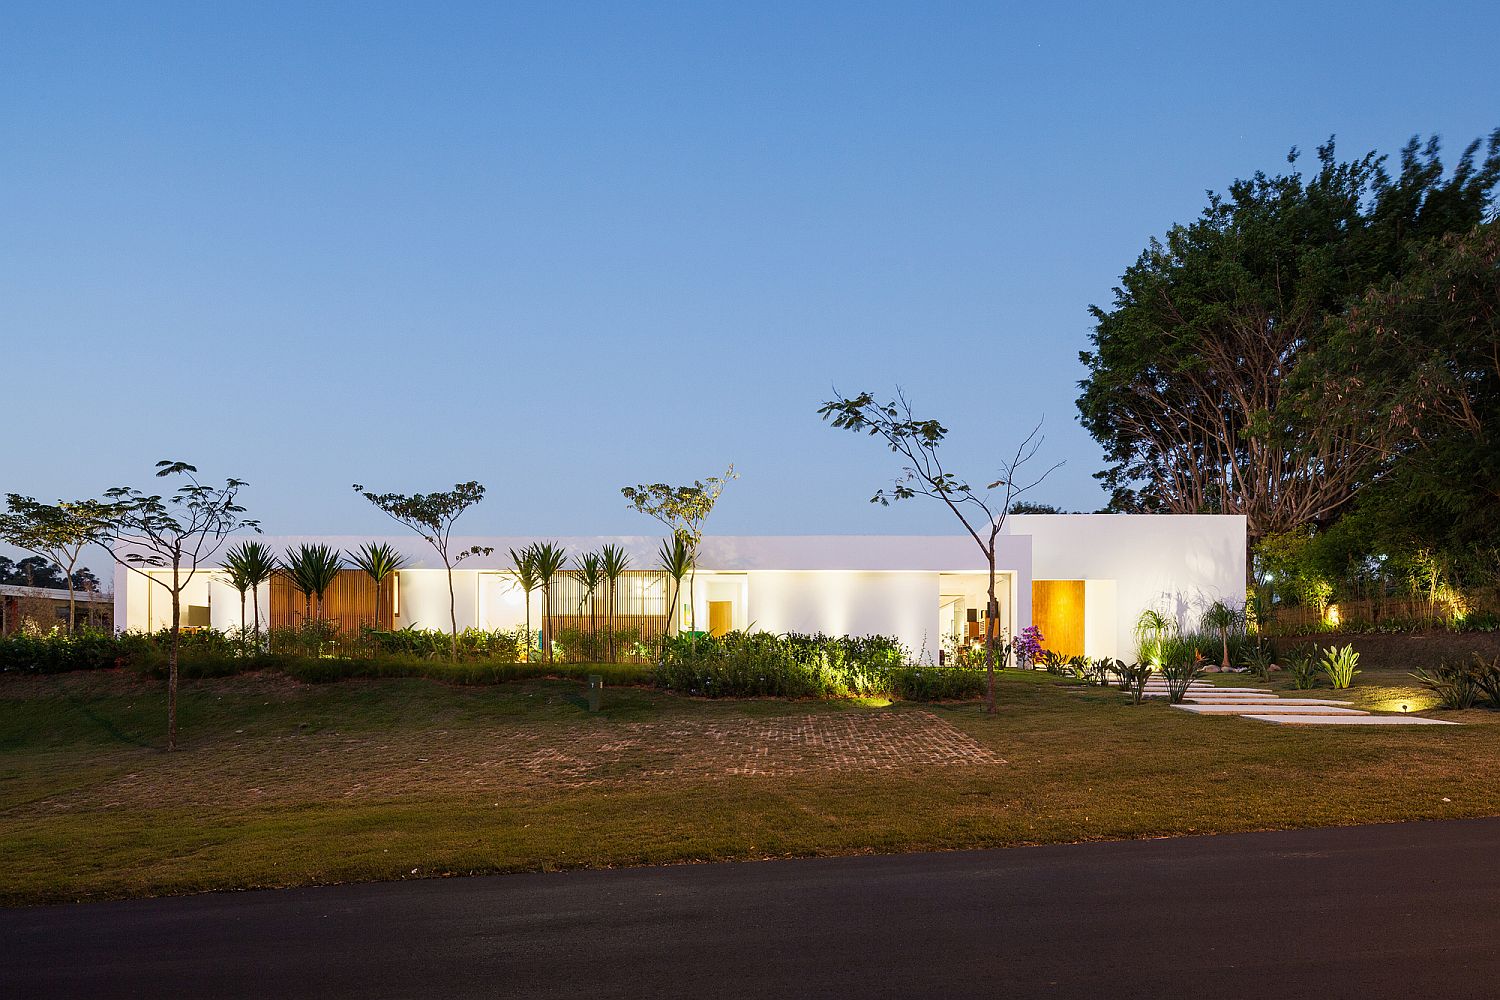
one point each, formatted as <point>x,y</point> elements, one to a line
<point>720,617</point>
<point>1057,609</point>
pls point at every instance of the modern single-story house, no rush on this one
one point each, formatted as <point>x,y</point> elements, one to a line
<point>1082,579</point>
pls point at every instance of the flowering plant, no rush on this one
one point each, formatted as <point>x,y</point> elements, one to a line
<point>1028,645</point>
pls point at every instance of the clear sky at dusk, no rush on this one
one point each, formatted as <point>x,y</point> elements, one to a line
<point>559,247</point>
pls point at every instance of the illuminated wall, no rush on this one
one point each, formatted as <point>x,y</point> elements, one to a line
<point>839,603</point>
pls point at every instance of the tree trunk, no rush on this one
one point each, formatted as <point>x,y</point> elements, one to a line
<point>255,598</point>
<point>452,613</point>
<point>991,615</point>
<point>528,626</point>
<point>671,611</point>
<point>172,659</point>
<point>242,617</point>
<point>610,621</point>
<point>547,622</point>
<point>1224,636</point>
<point>72,608</point>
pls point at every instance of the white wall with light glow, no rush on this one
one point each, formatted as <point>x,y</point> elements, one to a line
<point>1178,564</point>
<point>861,603</point>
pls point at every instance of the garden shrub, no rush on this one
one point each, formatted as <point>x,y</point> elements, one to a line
<point>1340,665</point>
<point>1461,684</point>
<point>751,664</point>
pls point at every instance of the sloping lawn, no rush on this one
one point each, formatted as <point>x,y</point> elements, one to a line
<point>281,783</point>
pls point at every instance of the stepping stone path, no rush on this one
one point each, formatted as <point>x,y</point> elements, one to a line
<point>1262,705</point>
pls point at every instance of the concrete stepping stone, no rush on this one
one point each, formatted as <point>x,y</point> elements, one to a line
<point>1264,709</point>
<point>1344,720</point>
<point>1250,702</point>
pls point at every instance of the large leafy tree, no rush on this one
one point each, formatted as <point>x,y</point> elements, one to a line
<point>433,515</point>
<point>182,531</point>
<point>1188,380</point>
<point>1420,356</point>
<point>57,533</point>
<point>915,441</point>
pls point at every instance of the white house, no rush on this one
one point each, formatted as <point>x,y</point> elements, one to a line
<point>1083,579</point>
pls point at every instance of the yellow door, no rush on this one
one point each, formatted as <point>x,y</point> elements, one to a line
<point>720,617</point>
<point>1057,610</point>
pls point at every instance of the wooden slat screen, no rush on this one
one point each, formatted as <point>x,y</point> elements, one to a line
<point>349,603</point>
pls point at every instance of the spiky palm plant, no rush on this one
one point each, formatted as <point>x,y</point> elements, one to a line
<point>312,569</point>
<point>379,561</point>
<point>249,565</point>
<point>613,561</point>
<point>590,573</point>
<point>523,568</point>
<point>1223,619</point>
<point>1150,629</point>
<point>550,558</point>
<point>676,560</point>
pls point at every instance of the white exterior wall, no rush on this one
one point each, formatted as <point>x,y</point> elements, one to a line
<point>1176,563</point>
<point>424,599</point>
<point>850,585</point>
<point>838,603</point>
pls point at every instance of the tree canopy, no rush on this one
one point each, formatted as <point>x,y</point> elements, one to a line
<point>1203,378</point>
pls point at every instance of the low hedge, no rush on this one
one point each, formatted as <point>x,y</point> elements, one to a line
<point>738,665</point>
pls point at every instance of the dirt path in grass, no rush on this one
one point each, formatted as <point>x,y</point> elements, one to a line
<point>330,767</point>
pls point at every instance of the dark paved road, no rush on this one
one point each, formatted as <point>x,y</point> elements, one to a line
<point>1408,911</point>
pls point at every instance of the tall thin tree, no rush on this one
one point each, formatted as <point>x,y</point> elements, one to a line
<point>523,568</point>
<point>613,562</point>
<point>549,558</point>
<point>250,565</point>
<point>379,561</point>
<point>915,443</point>
<point>590,574</point>
<point>183,530</point>
<point>433,515</point>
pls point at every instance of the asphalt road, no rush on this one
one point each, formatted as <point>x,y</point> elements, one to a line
<point>1408,911</point>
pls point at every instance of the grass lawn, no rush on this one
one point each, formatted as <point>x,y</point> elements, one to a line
<point>281,783</point>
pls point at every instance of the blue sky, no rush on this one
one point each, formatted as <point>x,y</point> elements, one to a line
<point>559,248</point>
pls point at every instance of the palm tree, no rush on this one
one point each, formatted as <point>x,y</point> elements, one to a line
<point>613,561</point>
<point>1221,618</point>
<point>379,561</point>
<point>676,560</point>
<point>1150,629</point>
<point>523,567</point>
<point>249,565</point>
<point>549,558</point>
<point>313,568</point>
<point>590,575</point>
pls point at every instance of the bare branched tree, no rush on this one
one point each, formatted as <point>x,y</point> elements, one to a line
<point>982,513</point>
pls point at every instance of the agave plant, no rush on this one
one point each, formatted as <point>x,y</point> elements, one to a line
<point>1222,619</point>
<point>613,562</point>
<point>312,570</point>
<point>379,562</point>
<point>1133,677</point>
<point>523,568</point>
<point>549,557</point>
<point>1258,659</point>
<point>589,570</point>
<point>248,565</point>
<point>1302,667</point>
<point>1181,664</point>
